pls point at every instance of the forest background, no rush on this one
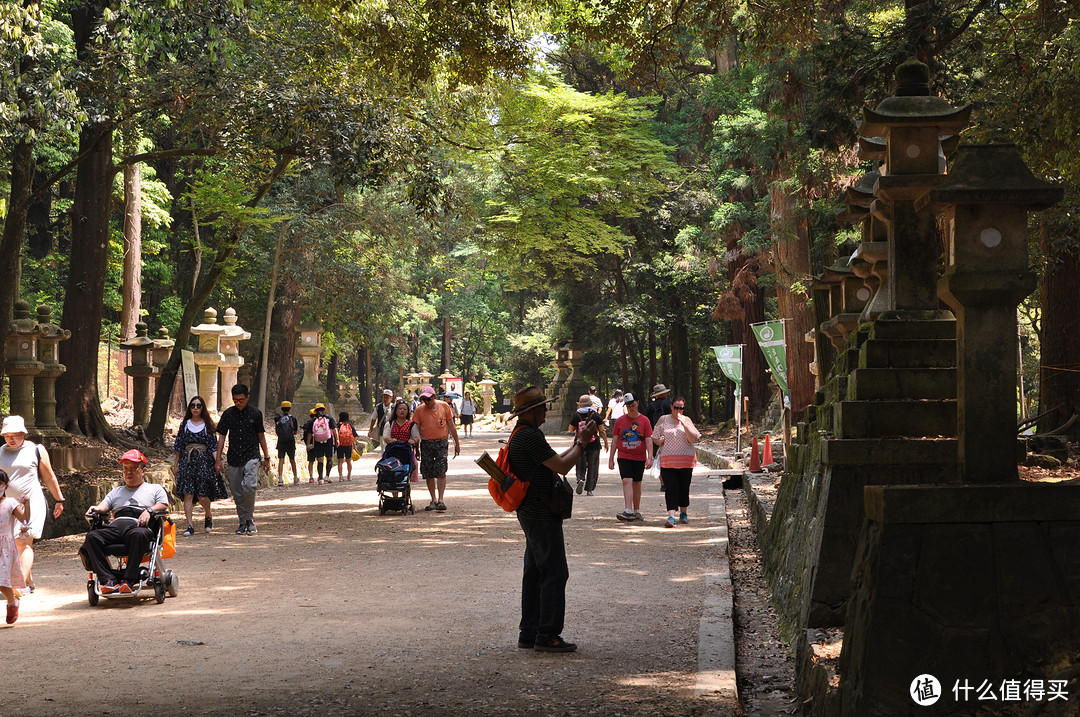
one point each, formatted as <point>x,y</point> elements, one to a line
<point>461,184</point>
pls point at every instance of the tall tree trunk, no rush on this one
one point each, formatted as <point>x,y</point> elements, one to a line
<point>791,264</point>
<point>21,179</point>
<point>264,353</point>
<point>78,408</point>
<point>1059,373</point>
<point>363,384</point>
<point>332,378</point>
<point>446,344</point>
<point>281,366</point>
<point>131,291</point>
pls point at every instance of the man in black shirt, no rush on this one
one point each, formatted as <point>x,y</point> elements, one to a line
<point>243,424</point>
<point>543,584</point>
<point>659,404</point>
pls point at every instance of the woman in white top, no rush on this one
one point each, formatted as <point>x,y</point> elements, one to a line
<point>196,444</point>
<point>27,465</point>
<point>615,407</point>
<point>468,408</point>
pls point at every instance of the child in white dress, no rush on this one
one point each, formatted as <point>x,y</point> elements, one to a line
<point>11,575</point>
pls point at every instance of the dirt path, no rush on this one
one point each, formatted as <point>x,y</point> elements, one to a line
<point>333,609</point>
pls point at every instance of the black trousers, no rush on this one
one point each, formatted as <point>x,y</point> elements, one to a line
<point>543,583</point>
<point>127,532</point>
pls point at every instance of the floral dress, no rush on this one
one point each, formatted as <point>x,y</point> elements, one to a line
<point>195,474</point>
<point>11,575</point>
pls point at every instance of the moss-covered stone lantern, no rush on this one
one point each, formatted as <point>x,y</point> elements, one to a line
<point>912,123</point>
<point>141,369</point>
<point>985,203</point>
<point>49,340</point>
<point>21,361</point>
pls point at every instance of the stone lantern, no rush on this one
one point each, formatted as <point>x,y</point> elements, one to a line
<point>209,357</point>
<point>912,123</point>
<point>141,369</point>
<point>45,382</point>
<point>412,383</point>
<point>310,392</point>
<point>423,378</point>
<point>21,361</point>
<point>163,347</point>
<point>230,349</point>
<point>487,391</point>
<point>848,295</point>
<point>985,202</point>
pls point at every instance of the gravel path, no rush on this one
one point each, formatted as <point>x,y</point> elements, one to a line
<point>332,609</point>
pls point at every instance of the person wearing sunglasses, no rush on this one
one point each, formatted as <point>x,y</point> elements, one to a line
<point>435,419</point>
<point>193,467</point>
<point>677,434</point>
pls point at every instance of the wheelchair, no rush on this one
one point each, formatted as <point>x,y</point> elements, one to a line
<point>153,575</point>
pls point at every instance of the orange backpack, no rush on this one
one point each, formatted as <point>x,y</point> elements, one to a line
<point>508,490</point>
<point>345,434</point>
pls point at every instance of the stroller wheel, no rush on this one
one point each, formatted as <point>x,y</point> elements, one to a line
<point>172,583</point>
<point>91,593</point>
<point>159,591</point>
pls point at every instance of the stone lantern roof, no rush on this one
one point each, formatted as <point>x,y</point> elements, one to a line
<point>913,105</point>
<point>994,174</point>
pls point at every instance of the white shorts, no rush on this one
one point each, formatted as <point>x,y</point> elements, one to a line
<point>37,517</point>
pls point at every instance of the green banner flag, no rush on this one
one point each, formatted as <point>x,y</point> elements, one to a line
<point>770,336</point>
<point>730,360</point>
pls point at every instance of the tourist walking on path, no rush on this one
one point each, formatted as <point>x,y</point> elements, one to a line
<point>380,416</point>
<point>677,434</point>
<point>597,402</point>
<point>286,428</point>
<point>614,408</point>
<point>588,466</point>
<point>346,438</point>
<point>322,439</point>
<point>630,441</point>
<point>196,478</point>
<point>242,425</point>
<point>28,466</point>
<point>468,410</point>
<point>543,581</point>
<point>659,405</point>
<point>11,573</point>
<point>401,429</point>
<point>306,440</point>
<point>435,420</point>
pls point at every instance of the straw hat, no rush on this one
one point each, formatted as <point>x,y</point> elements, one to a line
<point>584,401</point>
<point>659,390</point>
<point>529,398</point>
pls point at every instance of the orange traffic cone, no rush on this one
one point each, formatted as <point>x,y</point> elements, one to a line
<point>755,461</point>
<point>766,456</point>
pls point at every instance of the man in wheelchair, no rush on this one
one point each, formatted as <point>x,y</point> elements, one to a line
<point>132,506</point>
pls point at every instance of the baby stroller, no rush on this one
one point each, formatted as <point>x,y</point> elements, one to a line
<point>152,575</point>
<point>392,476</point>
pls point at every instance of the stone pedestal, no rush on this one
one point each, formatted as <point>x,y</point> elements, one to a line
<point>965,583</point>
<point>310,392</point>
<point>140,370</point>
<point>45,382</point>
<point>230,350</point>
<point>21,362</point>
<point>209,357</point>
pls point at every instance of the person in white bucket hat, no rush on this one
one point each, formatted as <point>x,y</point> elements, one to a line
<point>27,465</point>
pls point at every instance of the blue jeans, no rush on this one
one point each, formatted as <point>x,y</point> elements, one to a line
<point>543,583</point>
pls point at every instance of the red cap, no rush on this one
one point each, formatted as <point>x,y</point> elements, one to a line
<point>134,456</point>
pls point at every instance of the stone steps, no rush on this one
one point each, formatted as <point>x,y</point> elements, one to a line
<point>871,384</point>
<point>906,451</point>
<point>908,353</point>
<point>872,419</point>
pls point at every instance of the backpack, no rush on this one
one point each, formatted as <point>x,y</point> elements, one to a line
<point>320,430</point>
<point>284,427</point>
<point>508,490</point>
<point>345,435</point>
